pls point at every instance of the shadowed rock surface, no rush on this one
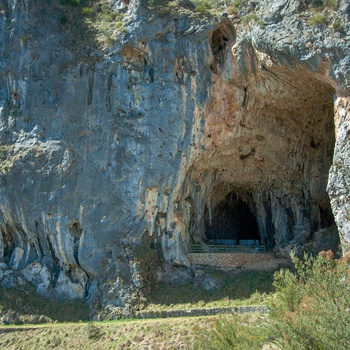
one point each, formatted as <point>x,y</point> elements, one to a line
<point>186,127</point>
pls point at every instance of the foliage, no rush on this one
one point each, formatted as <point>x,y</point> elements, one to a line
<point>237,3</point>
<point>63,18</point>
<point>103,21</point>
<point>70,2</point>
<point>233,332</point>
<point>87,11</point>
<point>119,22</point>
<point>203,7</point>
<point>310,311</point>
<point>317,19</point>
<point>252,18</point>
<point>312,305</point>
<point>158,3</point>
<point>235,6</point>
<point>337,27</point>
<point>132,335</point>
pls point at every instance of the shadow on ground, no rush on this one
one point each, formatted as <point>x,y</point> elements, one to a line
<point>236,287</point>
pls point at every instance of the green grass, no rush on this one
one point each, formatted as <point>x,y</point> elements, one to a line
<point>309,306</point>
<point>240,332</point>
<point>242,287</point>
<point>87,11</point>
<point>203,7</point>
<point>71,2</point>
<point>337,27</point>
<point>177,333</point>
<point>33,308</point>
<point>90,21</point>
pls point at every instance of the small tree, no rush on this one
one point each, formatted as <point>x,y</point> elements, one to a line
<point>241,332</point>
<point>309,311</point>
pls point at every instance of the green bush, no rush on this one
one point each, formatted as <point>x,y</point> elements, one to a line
<point>318,19</point>
<point>309,311</point>
<point>241,332</point>
<point>63,18</point>
<point>70,2</point>
<point>158,3</point>
<point>87,11</point>
<point>203,7</point>
<point>337,27</point>
<point>312,305</point>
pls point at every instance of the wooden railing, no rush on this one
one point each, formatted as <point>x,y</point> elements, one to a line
<point>210,248</point>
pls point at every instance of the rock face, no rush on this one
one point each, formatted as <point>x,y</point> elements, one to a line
<point>186,127</point>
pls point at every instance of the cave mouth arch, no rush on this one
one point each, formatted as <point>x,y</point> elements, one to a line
<point>265,174</point>
<point>231,220</point>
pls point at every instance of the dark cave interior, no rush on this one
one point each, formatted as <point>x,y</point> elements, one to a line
<point>230,221</point>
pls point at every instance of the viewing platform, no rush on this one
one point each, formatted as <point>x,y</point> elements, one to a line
<point>228,246</point>
<point>228,255</point>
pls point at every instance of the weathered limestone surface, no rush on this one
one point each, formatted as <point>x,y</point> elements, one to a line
<point>113,161</point>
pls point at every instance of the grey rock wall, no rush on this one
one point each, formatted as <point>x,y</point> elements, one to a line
<point>114,160</point>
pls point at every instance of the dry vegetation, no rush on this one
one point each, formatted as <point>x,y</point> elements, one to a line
<point>177,333</point>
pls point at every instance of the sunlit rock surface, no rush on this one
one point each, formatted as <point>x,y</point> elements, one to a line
<point>186,128</point>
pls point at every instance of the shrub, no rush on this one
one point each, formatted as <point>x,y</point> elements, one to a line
<point>87,11</point>
<point>232,332</point>
<point>120,26</point>
<point>233,10</point>
<point>312,305</point>
<point>70,2</point>
<point>336,26</point>
<point>310,311</point>
<point>63,18</point>
<point>158,3</point>
<point>318,19</point>
<point>203,7</point>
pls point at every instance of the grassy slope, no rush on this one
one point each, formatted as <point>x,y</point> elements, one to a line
<point>238,287</point>
<point>175,333</point>
<point>30,306</point>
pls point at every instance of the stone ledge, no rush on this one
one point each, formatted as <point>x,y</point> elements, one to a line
<point>201,312</point>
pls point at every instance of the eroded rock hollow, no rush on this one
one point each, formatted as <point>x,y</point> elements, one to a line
<point>268,139</point>
<point>185,128</point>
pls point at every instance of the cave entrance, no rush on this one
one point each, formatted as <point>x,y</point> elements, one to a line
<point>231,221</point>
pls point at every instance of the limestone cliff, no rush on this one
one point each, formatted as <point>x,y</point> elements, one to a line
<point>180,126</point>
